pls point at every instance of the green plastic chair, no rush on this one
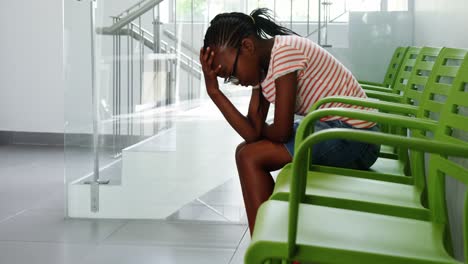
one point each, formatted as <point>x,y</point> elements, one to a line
<point>327,186</point>
<point>408,89</point>
<point>392,70</point>
<point>297,231</point>
<point>400,80</point>
<point>394,163</point>
<point>414,63</point>
<point>410,97</point>
<point>419,67</point>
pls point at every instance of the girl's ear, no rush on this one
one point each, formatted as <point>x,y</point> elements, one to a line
<point>248,45</point>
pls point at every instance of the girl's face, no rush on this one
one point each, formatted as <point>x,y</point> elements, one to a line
<point>241,64</point>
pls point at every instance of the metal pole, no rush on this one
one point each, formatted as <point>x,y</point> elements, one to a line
<point>325,7</point>
<point>114,90</point>
<point>291,15</point>
<point>274,7</point>
<point>119,88</point>
<point>156,30</point>
<point>156,49</point>
<point>131,79</point>
<point>94,97</point>
<point>141,71</point>
<point>319,22</point>
<point>128,81</point>
<point>176,96</point>
<point>208,9</point>
<point>308,16</point>
<point>191,56</point>
<point>384,6</point>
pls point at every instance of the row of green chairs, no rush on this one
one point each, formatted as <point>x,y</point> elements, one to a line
<point>416,65</point>
<point>405,63</point>
<point>400,198</point>
<point>332,215</point>
<point>400,83</point>
<point>388,168</point>
<point>392,70</point>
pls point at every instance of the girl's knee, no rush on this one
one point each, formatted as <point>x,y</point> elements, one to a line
<point>245,153</point>
<point>239,149</point>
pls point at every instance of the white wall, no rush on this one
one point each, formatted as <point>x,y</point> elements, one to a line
<point>372,38</point>
<point>441,23</point>
<point>31,70</point>
<point>31,86</point>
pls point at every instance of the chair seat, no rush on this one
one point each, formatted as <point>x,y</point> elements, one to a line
<point>388,166</point>
<point>388,152</point>
<point>387,149</point>
<point>384,169</point>
<point>332,235</point>
<point>355,193</point>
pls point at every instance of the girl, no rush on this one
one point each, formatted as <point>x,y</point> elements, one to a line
<point>286,70</point>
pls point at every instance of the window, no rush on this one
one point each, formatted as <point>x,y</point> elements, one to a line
<point>397,5</point>
<point>363,5</point>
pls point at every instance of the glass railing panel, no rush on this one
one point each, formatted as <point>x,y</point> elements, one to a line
<point>145,127</point>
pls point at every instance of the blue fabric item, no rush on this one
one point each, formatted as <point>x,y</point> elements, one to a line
<point>339,152</point>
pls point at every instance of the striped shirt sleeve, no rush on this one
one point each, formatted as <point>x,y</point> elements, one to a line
<point>288,59</point>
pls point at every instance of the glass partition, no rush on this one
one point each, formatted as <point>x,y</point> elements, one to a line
<point>143,140</point>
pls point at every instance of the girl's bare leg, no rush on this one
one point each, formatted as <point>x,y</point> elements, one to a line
<point>254,162</point>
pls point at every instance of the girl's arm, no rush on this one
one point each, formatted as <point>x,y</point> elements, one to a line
<point>282,127</point>
<point>249,128</point>
<point>258,111</point>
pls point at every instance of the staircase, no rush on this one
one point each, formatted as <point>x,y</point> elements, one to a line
<point>150,179</point>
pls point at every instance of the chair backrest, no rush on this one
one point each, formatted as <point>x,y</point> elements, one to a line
<point>394,66</point>
<point>452,127</point>
<point>413,83</point>
<point>436,88</point>
<point>420,73</point>
<point>406,68</point>
<point>439,84</point>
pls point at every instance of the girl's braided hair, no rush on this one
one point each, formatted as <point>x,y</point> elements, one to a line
<point>228,29</point>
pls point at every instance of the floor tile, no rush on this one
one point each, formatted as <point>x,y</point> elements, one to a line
<point>238,257</point>
<point>42,253</point>
<point>131,254</point>
<point>50,226</point>
<point>20,197</point>
<point>204,212</point>
<point>187,234</point>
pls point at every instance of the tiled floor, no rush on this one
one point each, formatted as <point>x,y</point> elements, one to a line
<point>33,228</point>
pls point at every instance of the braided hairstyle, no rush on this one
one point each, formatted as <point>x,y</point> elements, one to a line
<point>228,29</point>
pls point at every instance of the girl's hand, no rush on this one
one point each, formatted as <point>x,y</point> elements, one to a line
<point>206,60</point>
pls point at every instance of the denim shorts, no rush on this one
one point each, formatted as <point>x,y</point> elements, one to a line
<point>340,152</point>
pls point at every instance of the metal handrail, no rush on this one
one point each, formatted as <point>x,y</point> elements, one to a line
<point>188,64</point>
<point>138,33</point>
<point>126,11</point>
<point>172,36</point>
<point>318,30</point>
<point>122,22</point>
<point>149,43</point>
<point>331,20</point>
<point>168,33</point>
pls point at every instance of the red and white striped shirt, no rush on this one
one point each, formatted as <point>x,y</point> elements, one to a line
<point>319,75</point>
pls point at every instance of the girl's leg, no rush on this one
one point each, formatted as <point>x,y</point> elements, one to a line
<point>254,163</point>
<point>344,153</point>
<point>339,152</point>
